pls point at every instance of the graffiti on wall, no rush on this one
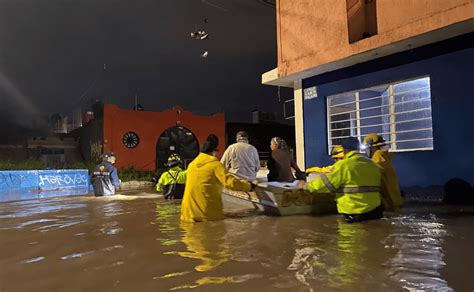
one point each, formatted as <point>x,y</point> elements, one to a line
<point>10,180</point>
<point>62,180</point>
<point>16,179</point>
<point>96,149</point>
<point>39,180</point>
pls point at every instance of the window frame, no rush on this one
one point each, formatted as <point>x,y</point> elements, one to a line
<point>391,109</point>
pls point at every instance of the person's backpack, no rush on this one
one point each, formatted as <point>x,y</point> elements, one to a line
<point>175,190</point>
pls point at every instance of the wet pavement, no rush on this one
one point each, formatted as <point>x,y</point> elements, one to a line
<point>137,243</point>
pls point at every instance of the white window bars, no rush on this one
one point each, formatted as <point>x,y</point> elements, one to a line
<point>400,112</point>
<point>289,109</point>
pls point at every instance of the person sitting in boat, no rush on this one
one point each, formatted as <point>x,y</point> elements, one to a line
<point>172,181</point>
<point>206,176</point>
<point>104,177</point>
<point>241,158</point>
<point>355,180</point>
<point>337,153</point>
<point>391,195</point>
<point>281,162</point>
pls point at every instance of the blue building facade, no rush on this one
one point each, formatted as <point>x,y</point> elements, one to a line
<point>450,66</point>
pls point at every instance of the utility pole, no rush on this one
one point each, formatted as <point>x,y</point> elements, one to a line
<point>104,82</point>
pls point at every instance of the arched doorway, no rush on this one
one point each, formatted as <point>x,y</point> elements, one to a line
<point>176,140</point>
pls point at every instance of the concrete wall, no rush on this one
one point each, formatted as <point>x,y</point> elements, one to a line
<point>27,184</point>
<point>452,105</point>
<point>149,126</point>
<point>313,33</point>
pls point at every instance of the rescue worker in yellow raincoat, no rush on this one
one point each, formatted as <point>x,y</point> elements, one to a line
<point>337,153</point>
<point>172,181</point>
<point>391,196</point>
<point>355,180</point>
<point>206,177</point>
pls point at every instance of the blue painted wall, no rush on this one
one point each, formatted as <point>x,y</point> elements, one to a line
<point>452,100</point>
<point>24,184</point>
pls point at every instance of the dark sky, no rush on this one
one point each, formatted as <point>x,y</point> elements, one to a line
<point>53,51</point>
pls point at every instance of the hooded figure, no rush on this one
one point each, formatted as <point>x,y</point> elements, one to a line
<point>206,176</point>
<point>390,190</point>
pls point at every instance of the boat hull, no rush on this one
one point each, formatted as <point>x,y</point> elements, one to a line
<point>282,200</point>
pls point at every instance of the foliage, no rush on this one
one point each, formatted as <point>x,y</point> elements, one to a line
<point>127,174</point>
<point>24,165</point>
<point>36,164</point>
<point>131,173</point>
<point>81,165</point>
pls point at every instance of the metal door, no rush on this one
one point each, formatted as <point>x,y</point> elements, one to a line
<point>176,140</point>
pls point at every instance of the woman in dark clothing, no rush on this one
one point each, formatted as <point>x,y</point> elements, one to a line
<point>281,162</point>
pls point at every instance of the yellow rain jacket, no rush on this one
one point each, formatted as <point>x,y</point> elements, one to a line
<point>391,196</point>
<point>355,180</point>
<point>324,169</point>
<point>337,152</point>
<point>202,199</point>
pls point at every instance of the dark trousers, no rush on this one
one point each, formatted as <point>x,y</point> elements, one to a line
<point>376,213</point>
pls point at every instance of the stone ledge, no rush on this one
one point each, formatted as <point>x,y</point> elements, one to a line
<point>136,185</point>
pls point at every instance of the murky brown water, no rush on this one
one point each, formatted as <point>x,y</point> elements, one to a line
<point>91,244</point>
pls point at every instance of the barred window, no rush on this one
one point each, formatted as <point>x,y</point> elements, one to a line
<point>400,112</point>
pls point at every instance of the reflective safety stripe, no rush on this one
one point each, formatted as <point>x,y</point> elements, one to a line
<point>361,189</point>
<point>101,173</point>
<point>348,190</point>
<point>328,184</point>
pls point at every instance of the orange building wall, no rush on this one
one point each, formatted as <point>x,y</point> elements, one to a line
<point>149,126</point>
<point>311,33</point>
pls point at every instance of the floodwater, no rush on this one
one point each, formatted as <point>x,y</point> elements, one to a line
<point>137,243</point>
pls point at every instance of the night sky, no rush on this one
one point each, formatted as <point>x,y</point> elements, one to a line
<point>52,54</point>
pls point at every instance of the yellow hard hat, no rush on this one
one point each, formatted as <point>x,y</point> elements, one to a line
<point>173,160</point>
<point>174,157</point>
<point>337,152</point>
<point>374,140</point>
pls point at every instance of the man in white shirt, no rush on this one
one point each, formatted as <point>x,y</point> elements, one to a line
<point>241,158</point>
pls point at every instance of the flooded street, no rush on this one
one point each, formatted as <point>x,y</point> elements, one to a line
<point>138,244</point>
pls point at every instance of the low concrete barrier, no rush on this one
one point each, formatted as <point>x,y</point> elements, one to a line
<point>135,185</point>
<point>26,184</point>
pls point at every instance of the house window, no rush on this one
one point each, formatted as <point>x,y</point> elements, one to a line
<point>361,19</point>
<point>400,112</point>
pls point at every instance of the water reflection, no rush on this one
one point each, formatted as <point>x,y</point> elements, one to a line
<point>109,211</point>
<point>338,255</point>
<point>141,244</point>
<point>335,261</point>
<point>33,260</point>
<point>205,242</point>
<point>111,228</point>
<point>420,257</point>
<point>36,207</point>
<point>167,215</point>
<point>351,247</point>
<point>41,215</point>
<point>218,280</point>
<point>112,209</point>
